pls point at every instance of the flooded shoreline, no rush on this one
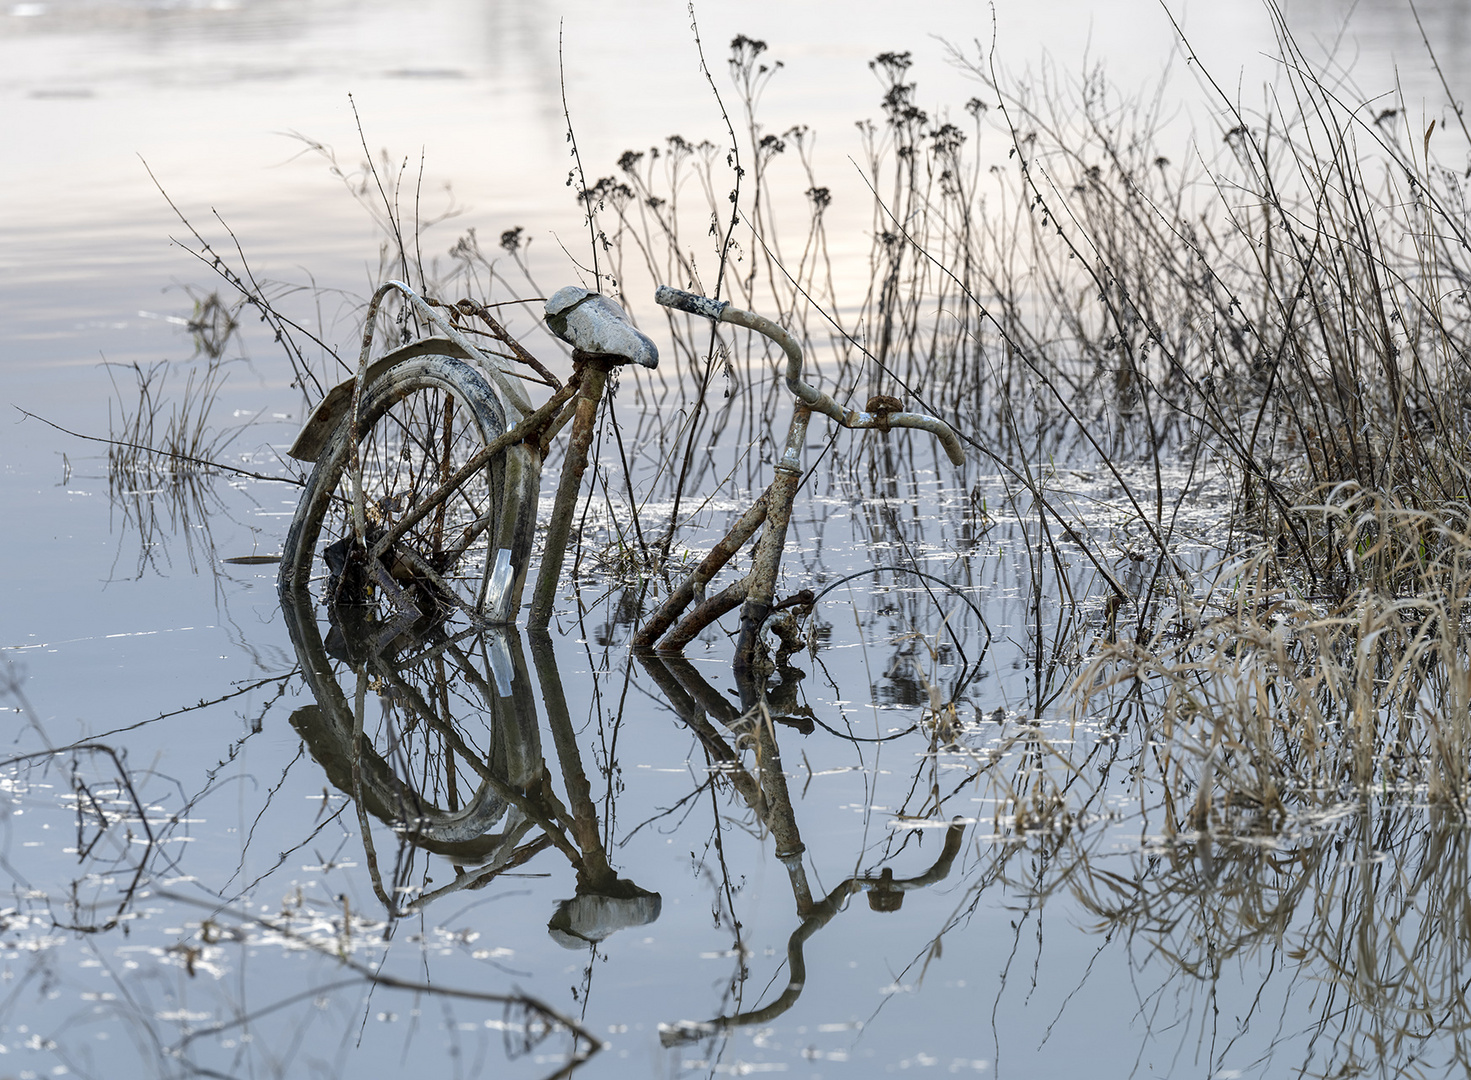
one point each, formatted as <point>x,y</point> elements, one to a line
<point>1135,744</point>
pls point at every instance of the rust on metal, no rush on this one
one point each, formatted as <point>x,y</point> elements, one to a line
<point>522,432</point>
<point>705,613</point>
<point>694,584</point>
<point>589,394</point>
<point>762,579</point>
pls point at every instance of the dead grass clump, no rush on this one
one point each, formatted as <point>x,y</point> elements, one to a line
<point>155,439</point>
<point>1265,696</point>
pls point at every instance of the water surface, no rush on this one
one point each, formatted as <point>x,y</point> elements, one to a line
<point>188,882</point>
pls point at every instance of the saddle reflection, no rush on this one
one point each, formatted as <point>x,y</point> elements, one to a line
<point>438,737</point>
<point>453,762</point>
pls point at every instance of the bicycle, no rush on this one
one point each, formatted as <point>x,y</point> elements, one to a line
<point>436,512</point>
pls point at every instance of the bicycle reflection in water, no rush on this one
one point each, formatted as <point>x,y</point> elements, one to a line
<point>456,767</point>
<point>487,806</point>
<point>696,701</point>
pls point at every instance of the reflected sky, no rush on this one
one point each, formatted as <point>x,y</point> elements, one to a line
<point>208,94</point>
<point>685,881</point>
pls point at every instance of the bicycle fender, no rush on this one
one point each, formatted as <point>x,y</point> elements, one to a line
<point>334,407</point>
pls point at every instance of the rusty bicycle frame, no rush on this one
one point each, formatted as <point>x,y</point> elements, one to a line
<point>773,510</point>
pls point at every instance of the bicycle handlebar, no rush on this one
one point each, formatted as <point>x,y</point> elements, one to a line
<point>721,311</point>
<point>693,303</point>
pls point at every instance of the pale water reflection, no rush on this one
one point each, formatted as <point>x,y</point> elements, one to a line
<point>905,850</point>
<point>298,902</point>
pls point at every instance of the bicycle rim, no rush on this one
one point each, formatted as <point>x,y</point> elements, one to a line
<point>448,541</point>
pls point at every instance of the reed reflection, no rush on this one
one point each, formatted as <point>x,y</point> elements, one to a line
<point>1360,927</point>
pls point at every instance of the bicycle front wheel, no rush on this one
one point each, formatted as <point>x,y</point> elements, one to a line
<point>404,508</point>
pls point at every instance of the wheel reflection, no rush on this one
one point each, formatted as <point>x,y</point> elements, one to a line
<point>454,763</point>
<point>437,736</point>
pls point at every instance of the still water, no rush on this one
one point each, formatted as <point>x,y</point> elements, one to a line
<point>864,884</point>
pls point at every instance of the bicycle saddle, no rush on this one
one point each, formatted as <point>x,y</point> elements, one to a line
<point>593,324</point>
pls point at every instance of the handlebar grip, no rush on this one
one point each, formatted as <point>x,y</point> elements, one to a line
<point>690,302</point>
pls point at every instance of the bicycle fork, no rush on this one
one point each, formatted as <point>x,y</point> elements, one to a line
<point>761,590</point>
<point>771,513</point>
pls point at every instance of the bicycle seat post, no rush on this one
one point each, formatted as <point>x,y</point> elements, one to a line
<point>601,338</point>
<point>593,377</point>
